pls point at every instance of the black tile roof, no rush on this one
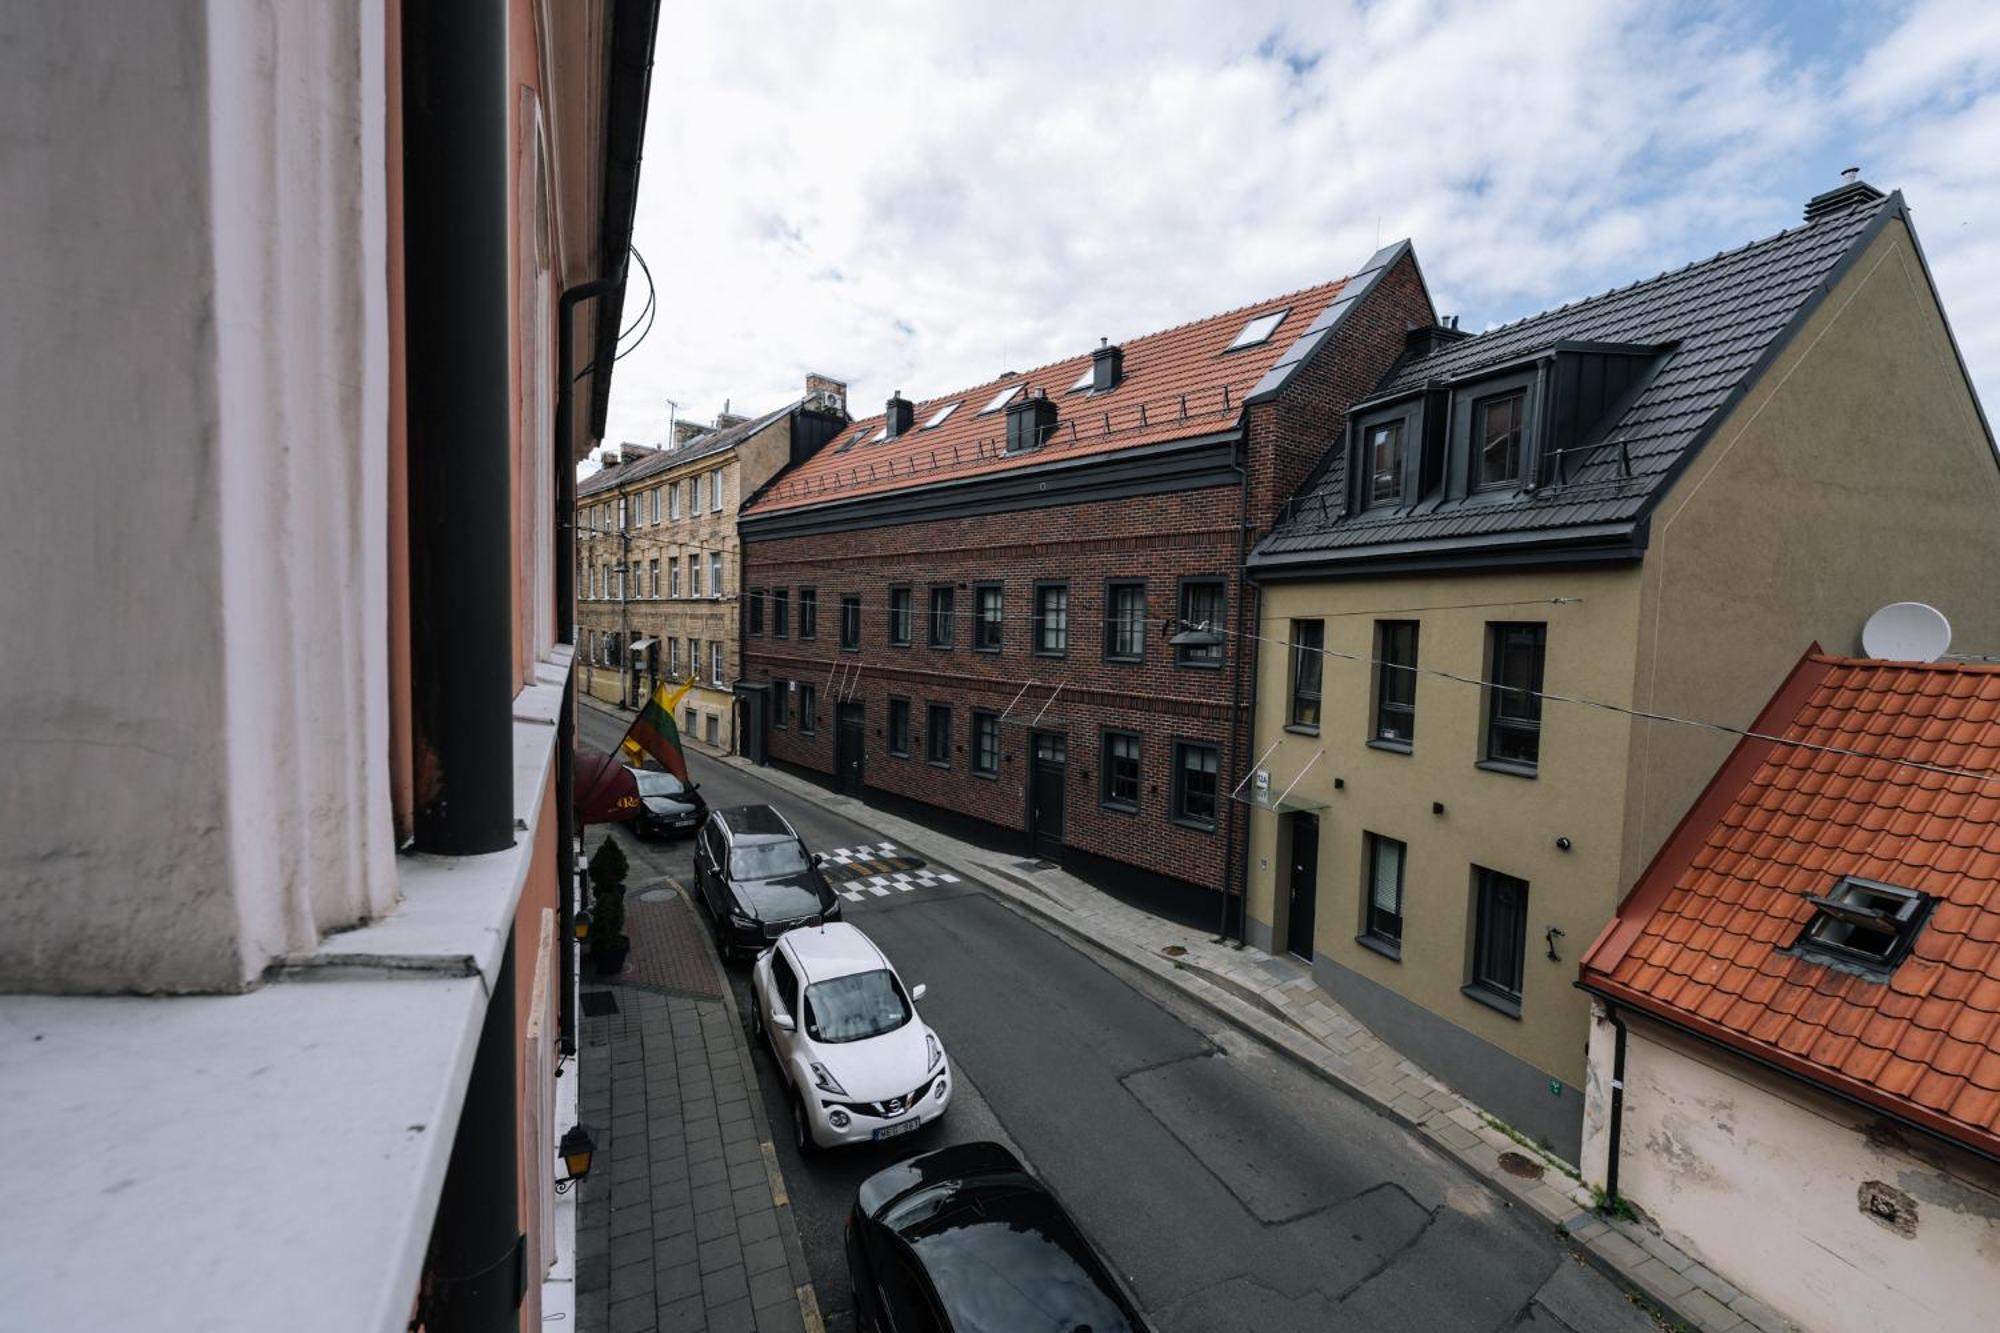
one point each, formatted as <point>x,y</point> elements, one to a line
<point>651,465</point>
<point>1726,316</point>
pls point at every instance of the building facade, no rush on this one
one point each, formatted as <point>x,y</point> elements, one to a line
<point>284,882</point>
<point>1799,1003</point>
<point>658,564</point>
<point>1652,500</point>
<point>968,605</point>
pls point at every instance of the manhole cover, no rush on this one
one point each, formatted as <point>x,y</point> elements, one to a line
<point>657,895</point>
<point>599,1004</point>
<point>1514,1164</point>
<point>1174,950</point>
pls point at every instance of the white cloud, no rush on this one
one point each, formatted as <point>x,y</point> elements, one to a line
<point>918,197</point>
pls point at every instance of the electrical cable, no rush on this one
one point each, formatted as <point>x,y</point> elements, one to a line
<point>649,312</point>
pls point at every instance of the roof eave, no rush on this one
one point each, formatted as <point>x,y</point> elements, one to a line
<point>1596,543</point>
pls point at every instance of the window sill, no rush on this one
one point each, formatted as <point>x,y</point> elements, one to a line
<point>1301,729</point>
<point>983,775</point>
<point>1198,666</point>
<point>1117,809</point>
<point>1508,766</point>
<point>1392,747</point>
<point>1050,653</point>
<point>1492,1000</point>
<point>1124,661</point>
<point>994,650</point>
<point>899,643</point>
<point>1198,825</point>
<point>897,754</point>
<point>939,763</point>
<point>1390,949</point>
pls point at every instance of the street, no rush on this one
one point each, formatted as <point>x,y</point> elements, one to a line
<point>1231,1190</point>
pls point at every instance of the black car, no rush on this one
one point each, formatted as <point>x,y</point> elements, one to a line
<point>754,872</point>
<point>965,1240</point>
<point>667,806</point>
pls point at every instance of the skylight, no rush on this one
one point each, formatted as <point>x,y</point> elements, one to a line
<point>1259,329</point>
<point>879,436</point>
<point>1864,922</point>
<point>1085,380</point>
<point>937,418</point>
<point>1000,399</point>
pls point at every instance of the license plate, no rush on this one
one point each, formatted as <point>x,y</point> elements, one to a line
<point>891,1131</point>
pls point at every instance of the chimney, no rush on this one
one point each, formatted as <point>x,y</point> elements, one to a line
<point>1423,339</point>
<point>1031,419</point>
<point>1851,193</point>
<point>825,394</point>
<point>901,412</point>
<point>726,418</point>
<point>687,432</point>
<point>1107,367</point>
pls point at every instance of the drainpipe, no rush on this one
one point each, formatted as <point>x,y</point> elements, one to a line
<point>1236,719</point>
<point>1617,1101</point>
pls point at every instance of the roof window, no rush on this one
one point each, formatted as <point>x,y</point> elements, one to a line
<point>1864,923</point>
<point>938,417</point>
<point>879,436</point>
<point>1259,330</point>
<point>1085,380</point>
<point>1001,399</point>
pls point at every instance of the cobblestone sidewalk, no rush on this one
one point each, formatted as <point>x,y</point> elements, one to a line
<point>684,1223</point>
<point>1276,1000</point>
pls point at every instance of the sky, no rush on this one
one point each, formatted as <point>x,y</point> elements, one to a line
<point>921,196</point>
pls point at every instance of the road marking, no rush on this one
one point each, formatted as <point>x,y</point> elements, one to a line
<point>902,881</point>
<point>778,1196</point>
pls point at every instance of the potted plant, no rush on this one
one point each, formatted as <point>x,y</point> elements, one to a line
<point>608,943</point>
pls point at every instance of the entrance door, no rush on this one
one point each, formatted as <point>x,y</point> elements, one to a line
<point>756,710</point>
<point>848,746</point>
<point>1304,880</point>
<point>1045,793</point>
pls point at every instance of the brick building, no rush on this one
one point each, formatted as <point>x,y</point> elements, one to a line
<point>656,579</point>
<point>967,604</point>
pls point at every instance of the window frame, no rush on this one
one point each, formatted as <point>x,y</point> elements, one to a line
<point>980,624</point>
<point>1045,587</point>
<point>756,612</point>
<point>1494,725</point>
<point>897,747</point>
<point>781,703</point>
<point>932,733</point>
<point>716,665</point>
<point>903,616</point>
<point>1183,657</point>
<point>850,622</point>
<point>1381,705</point>
<point>694,574</point>
<point>1488,990</point>
<point>1112,623</point>
<point>936,620</point>
<point>781,612</point>
<point>808,709</point>
<point>808,614</point>
<point>1462,465</point>
<point>1811,943</point>
<point>1373,935</point>
<point>715,574</point>
<point>989,721</point>
<point>1299,653</point>
<point>1476,481</point>
<point>715,491</point>
<point>1177,797</point>
<point>1107,799</point>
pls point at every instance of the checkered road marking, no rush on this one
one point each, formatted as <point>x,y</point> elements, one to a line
<point>879,869</point>
<point>899,881</point>
<point>841,856</point>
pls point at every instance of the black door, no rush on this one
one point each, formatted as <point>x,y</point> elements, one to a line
<point>1048,773</point>
<point>1304,882</point>
<point>756,701</point>
<point>848,745</point>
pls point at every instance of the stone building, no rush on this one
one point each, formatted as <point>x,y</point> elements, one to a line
<point>657,564</point>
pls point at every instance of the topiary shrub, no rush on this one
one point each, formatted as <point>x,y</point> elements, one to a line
<point>608,867</point>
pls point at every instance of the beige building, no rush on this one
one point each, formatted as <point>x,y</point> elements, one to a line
<point>657,574</point>
<point>1805,1021</point>
<point>1654,500</point>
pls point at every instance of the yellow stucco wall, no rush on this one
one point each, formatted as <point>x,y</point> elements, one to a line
<point>1853,475</point>
<point>1497,820</point>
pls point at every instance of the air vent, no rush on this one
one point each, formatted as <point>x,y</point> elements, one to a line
<point>901,412</point>
<point>1107,365</point>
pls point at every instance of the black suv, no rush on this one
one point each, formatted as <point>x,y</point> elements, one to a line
<point>965,1238</point>
<point>754,872</point>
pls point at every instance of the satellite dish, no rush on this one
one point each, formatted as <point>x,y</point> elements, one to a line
<point>1906,632</point>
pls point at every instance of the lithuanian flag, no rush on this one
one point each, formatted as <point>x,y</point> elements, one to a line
<point>653,732</point>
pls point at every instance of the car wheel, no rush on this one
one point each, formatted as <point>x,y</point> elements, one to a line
<point>802,1137</point>
<point>756,1019</point>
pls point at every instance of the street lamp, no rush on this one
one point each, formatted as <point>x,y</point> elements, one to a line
<point>576,1149</point>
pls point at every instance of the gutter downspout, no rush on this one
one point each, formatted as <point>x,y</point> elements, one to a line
<point>1237,721</point>
<point>1617,1102</point>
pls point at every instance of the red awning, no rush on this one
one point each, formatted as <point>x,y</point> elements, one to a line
<point>606,791</point>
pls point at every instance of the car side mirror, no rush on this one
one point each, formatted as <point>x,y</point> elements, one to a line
<point>819,859</point>
<point>784,1022</point>
<point>918,991</point>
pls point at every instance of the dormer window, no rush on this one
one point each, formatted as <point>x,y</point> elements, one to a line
<point>1001,399</point>
<point>1496,439</point>
<point>1382,448</point>
<point>1258,330</point>
<point>1865,924</point>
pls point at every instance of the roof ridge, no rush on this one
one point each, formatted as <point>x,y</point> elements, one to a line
<point>1294,295</point>
<point>1977,668</point>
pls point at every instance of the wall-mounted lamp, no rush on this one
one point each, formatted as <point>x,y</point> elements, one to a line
<point>582,926</point>
<point>1553,934</point>
<point>1340,784</point>
<point>1437,807</point>
<point>576,1150</point>
<point>1563,844</point>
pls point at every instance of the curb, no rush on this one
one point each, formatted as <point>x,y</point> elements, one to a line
<point>1282,1039</point>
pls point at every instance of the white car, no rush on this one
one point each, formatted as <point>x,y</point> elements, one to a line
<point>860,1064</point>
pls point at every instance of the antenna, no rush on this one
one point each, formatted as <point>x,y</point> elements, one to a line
<point>1906,632</point>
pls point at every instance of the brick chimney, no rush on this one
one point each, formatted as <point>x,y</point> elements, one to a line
<point>825,394</point>
<point>686,432</point>
<point>726,418</point>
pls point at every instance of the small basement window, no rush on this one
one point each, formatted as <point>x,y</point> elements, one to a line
<point>937,418</point>
<point>1001,399</point>
<point>1864,922</point>
<point>1259,330</point>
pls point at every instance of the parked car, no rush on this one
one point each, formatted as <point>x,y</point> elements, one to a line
<point>667,805</point>
<point>860,1064</point>
<point>753,871</point>
<point>965,1238</point>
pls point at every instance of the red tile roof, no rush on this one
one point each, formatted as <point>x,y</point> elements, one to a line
<point>1699,939</point>
<point>1177,384</point>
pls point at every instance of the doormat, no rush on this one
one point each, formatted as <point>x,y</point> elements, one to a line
<point>599,1004</point>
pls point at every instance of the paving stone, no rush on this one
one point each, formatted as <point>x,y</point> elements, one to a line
<point>677,1282</point>
<point>743,1151</point>
<point>1661,1280</point>
<point>1666,1252</point>
<point>750,1173</point>
<point>781,1317</point>
<point>1616,1247</point>
<point>630,1249</point>
<point>719,1222</point>
<point>687,1315</point>
<point>1762,1316</point>
<point>753,1227</point>
<point>762,1257</point>
<point>636,1314</point>
<point>629,1280</point>
<point>1711,1282</point>
<point>733,1317</point>
<point>672,1252</point>
<point>770,1287</point>
<point>1705,1310</point>
<point>629,1218</point>
<point>708,1173</point>
<point>751,1197</point>
<point>723,1285</point>
<point>720,1253</point>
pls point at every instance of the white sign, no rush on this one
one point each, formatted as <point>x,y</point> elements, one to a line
<point>1262,779</point>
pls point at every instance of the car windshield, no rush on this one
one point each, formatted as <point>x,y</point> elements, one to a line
<point>656,782</point>
<point>768,860</point>
<point>852,1008</point>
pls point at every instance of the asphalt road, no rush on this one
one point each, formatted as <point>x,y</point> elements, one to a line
<point>1233,1191</point>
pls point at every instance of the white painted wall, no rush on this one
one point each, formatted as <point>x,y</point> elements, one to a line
<point>193,671</point>
<point>1763,1178</point>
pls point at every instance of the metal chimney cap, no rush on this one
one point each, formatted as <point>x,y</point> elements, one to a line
<point>1850,174</point>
